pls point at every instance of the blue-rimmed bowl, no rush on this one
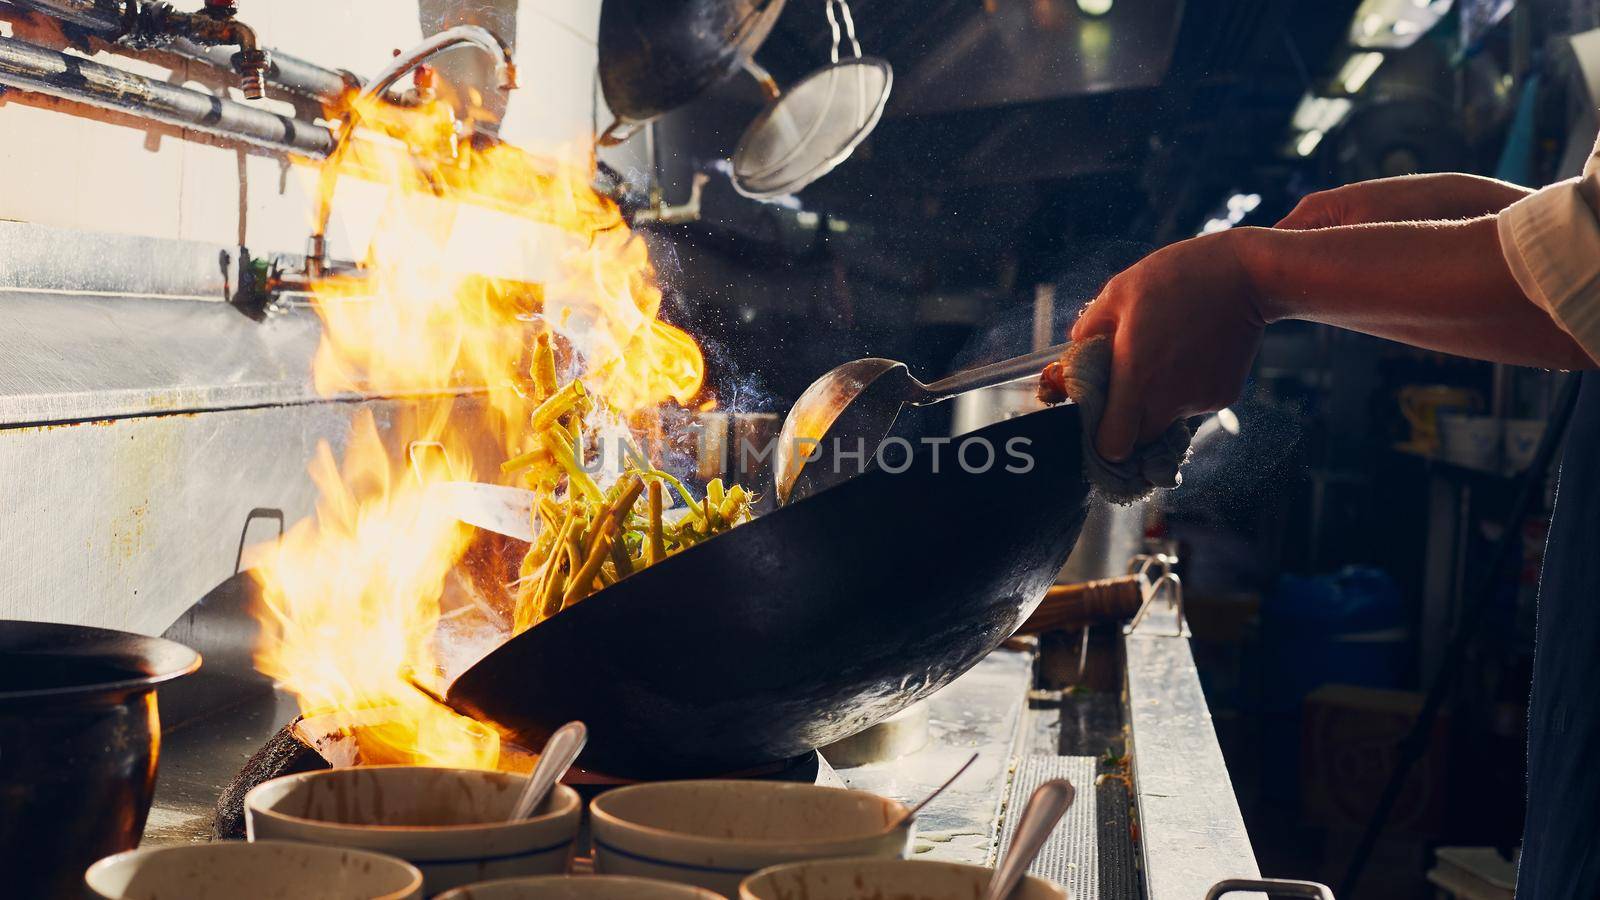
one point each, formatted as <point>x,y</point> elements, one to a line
<point>579,887</point>
<point>450,823</point>
<point>875,879</point>
<point>713,834</point>
<point>235,870</point>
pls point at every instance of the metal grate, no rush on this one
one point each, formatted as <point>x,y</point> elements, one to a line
<point>1070,857</point>
<point>1119,867</point>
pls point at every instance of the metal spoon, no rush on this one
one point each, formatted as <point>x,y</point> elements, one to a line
<point>1050,801</point>
<point>854,406</point>
<point>911,814</point>
<point>559,751</point>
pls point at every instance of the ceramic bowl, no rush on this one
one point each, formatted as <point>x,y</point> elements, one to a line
<point>450,823</point>
<point>1522,442</point>
<point>713,834</point>
<point>578,887</point>
<point>1471,441</point>
<point>874,879</point>
<point>264,870</point>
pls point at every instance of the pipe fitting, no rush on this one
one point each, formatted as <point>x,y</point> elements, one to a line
<point>216,24</point>
<point>253,66</point>
<point>482,38</point>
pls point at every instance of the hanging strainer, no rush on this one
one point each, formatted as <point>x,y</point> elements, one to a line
<point>804,133</point>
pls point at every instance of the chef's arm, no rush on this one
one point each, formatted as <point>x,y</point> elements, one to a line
<point>1404,198</point>
<point>1186,320</point>
<point>1440,285</point>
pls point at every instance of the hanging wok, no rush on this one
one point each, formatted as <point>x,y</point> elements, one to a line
<point>656,55</point>
<point>806,625</point>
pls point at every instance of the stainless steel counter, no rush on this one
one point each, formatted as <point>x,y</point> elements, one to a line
<point>1192,833</point>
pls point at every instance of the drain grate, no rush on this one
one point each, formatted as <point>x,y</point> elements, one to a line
<point>1070,857</point>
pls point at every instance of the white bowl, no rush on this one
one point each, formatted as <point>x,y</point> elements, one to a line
<point>578,887</point>
<point>874,879</point>
<point>265,870</point>
<point>1522,442</point>
<point>714,833</point>
<point>1471,441</point>
<point>451,823</point>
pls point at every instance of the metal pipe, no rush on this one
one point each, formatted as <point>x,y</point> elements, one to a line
<point>33,68</point>
<point>287,72</point>
<point>482,38</point>
<point>104,18</point>
<point>100,16</point>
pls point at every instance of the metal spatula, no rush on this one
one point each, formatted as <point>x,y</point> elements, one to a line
<point>854,406</point>
<point>492,507</point>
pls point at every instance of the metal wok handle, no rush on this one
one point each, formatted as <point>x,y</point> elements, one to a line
<point>1277,887</point>
<point>993,373</point>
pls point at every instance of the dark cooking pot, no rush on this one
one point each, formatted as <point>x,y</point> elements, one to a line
<point>656,55</point>
<point>78,742</point>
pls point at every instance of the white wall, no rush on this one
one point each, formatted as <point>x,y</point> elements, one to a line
<point>72,166</point>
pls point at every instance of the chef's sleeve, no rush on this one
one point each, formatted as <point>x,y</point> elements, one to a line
<point>1551,240</point>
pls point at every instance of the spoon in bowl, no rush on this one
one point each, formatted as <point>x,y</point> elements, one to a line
<point>911,814</point>
<point>559,752</point>
<point>1050,801</point>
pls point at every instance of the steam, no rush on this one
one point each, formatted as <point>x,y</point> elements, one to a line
<point>1076,281</point>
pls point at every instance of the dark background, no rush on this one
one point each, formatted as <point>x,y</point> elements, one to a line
<point>1029,143</point>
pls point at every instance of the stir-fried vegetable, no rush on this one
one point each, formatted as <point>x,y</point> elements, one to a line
<point>591,536</point>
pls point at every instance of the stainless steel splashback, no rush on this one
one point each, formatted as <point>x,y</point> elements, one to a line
<point>142,419</point>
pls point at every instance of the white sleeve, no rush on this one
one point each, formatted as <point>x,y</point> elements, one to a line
<point>1551,240</point>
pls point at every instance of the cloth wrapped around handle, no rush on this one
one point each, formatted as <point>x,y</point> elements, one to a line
<point>1083,375</point>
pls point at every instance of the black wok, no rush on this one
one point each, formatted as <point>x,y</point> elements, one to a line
<point>806,625</point>
<point>656,55</point>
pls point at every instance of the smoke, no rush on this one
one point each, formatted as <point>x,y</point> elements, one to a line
<point>1076,276</point>
<point>1232,477</point>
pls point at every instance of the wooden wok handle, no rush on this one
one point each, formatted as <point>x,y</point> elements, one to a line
<point>1071,606</point>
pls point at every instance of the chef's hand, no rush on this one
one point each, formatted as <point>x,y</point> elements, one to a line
<point>1447,195</point>
<point>1185,324</point>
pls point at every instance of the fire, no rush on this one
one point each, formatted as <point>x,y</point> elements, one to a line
<point>480,246</point>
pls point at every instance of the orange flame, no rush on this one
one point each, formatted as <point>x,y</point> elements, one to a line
<point>477,248</point>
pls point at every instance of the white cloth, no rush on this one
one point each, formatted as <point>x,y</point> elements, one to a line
<point>1086,378</point>
<point>1551,240</point>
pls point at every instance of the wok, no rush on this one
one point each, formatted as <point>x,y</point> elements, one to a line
<point>656,55</point>
<point>806,625</point>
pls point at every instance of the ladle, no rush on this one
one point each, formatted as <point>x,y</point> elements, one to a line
<point>854,406</point>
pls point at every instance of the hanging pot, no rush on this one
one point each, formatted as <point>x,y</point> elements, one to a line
<point>656,55</point>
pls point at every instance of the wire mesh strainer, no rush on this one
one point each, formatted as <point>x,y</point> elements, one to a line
<point>803,133</point>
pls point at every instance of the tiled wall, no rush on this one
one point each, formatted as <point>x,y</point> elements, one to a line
<point>81,168</point>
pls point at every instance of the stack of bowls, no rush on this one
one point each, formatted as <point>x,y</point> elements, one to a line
<point>404,832</point>
<point>714,834</point>
<point>870,879</point>
<point>579,887</point>
<point>449,823</point>
<point>265,870</point>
